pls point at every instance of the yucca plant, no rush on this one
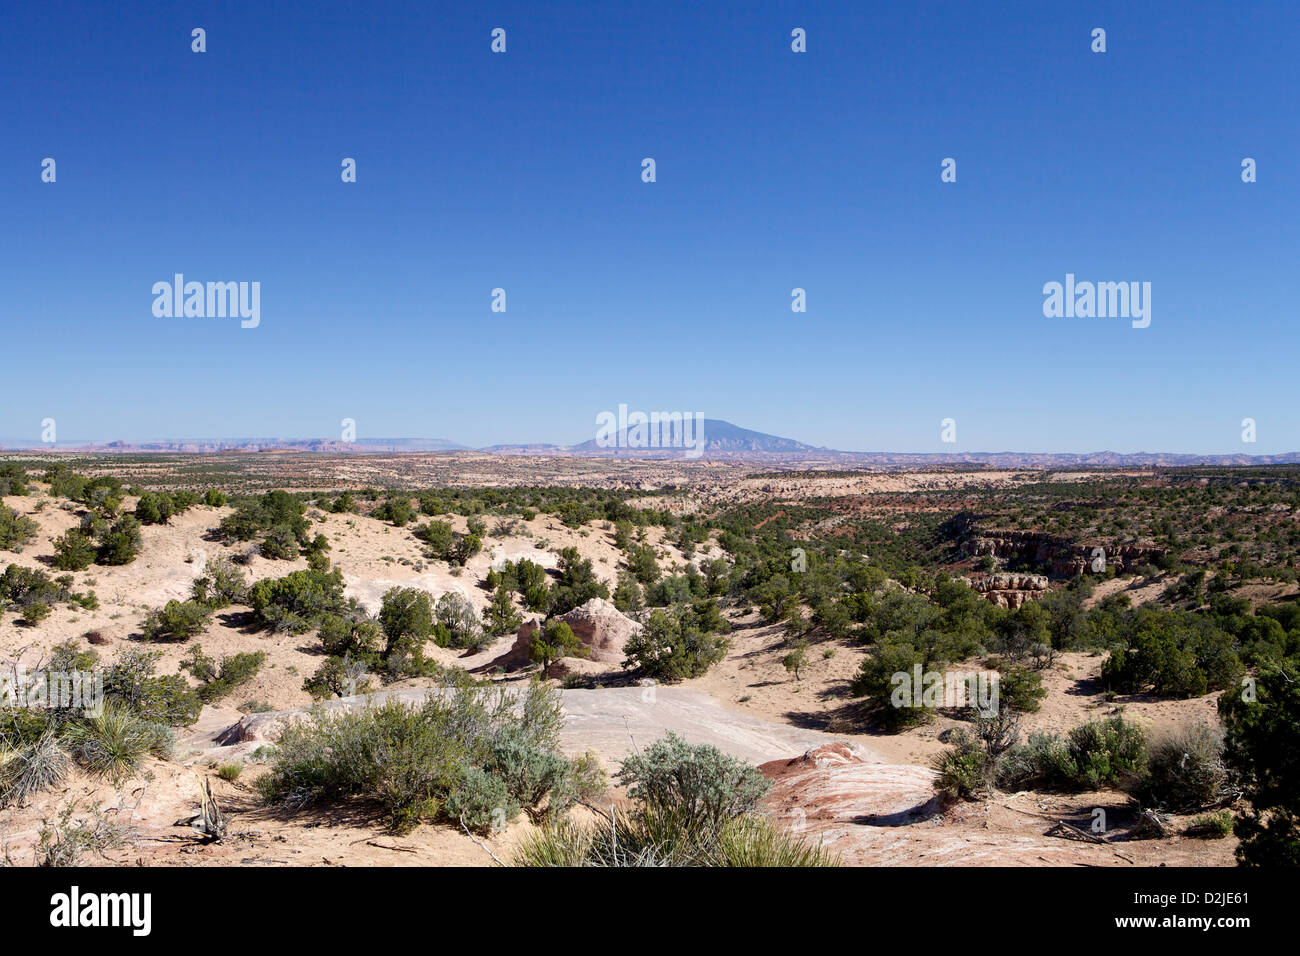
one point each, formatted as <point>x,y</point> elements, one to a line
<point>30,768</point>
<point>114,742</point>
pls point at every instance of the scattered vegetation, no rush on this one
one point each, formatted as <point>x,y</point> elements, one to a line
<point>472,755</point>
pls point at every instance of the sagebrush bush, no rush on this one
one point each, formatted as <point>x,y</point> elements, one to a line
<point>1103,753</point>
<point>651,839</point>
<point>694,806</point>
<point>481,801</point>
<point>697,782</point>
<point>428,762</point>
<point>1107,752</point>
<point>1185,770</point>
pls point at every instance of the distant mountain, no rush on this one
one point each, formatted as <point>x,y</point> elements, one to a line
<point>719,437</point>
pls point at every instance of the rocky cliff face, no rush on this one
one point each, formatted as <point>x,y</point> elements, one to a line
<point>1052,554</point>
<point>1009,590</point>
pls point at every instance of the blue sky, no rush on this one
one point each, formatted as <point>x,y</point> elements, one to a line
<point>775,170</point>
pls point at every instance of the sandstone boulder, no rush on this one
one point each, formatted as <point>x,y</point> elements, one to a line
<point>600,626</point>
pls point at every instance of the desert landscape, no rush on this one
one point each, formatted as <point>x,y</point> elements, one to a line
<point>756,614</point>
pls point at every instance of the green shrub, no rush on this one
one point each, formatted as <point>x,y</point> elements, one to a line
<point>15,529</point>
<point>1020,689</point>
<point>298,601</point>
<point>23,587</point>
<point>1042,763</point>
<point>221,585</point>
<point>468,546</point>
<point>577,585</point>
<point>272,510</point>
<point>219,680</point>
<point>280,544</point>
<point>339,676</point>
<point>176,620</point>
<point>875,681</point>
<point>1096,755</point>
<point>1213,826</point>
<point>644,838</point>
<point>13,479</point>
<point>627,595</point>
<point>130,682</point>
<point>481,801</point>
<point>1185,770</point>
<point>553,641</point>
<point>671,646</point>
<point>114,742</point>
<point>426,762</point>
<point>36,612</point>
<point>120,543</point>
<point>155,508</point>
<point>696,783</point>
<point>74,551</point>
<point>458,623</point>
<point>351,634</point>
<point>1107,752</point>
<point>1262,739</point>
<point>1172,654</point>
<point>501,616</point>
<point>438,536</point>
<point>694,806</point>
<point>963,768</point>
<point>397,509</point>
<point>641,562</point>
<point>406,617</point>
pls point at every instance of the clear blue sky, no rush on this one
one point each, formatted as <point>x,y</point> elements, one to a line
<point>775,170</point>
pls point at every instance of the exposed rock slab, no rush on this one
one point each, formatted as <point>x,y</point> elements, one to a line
<point>610,721</point>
